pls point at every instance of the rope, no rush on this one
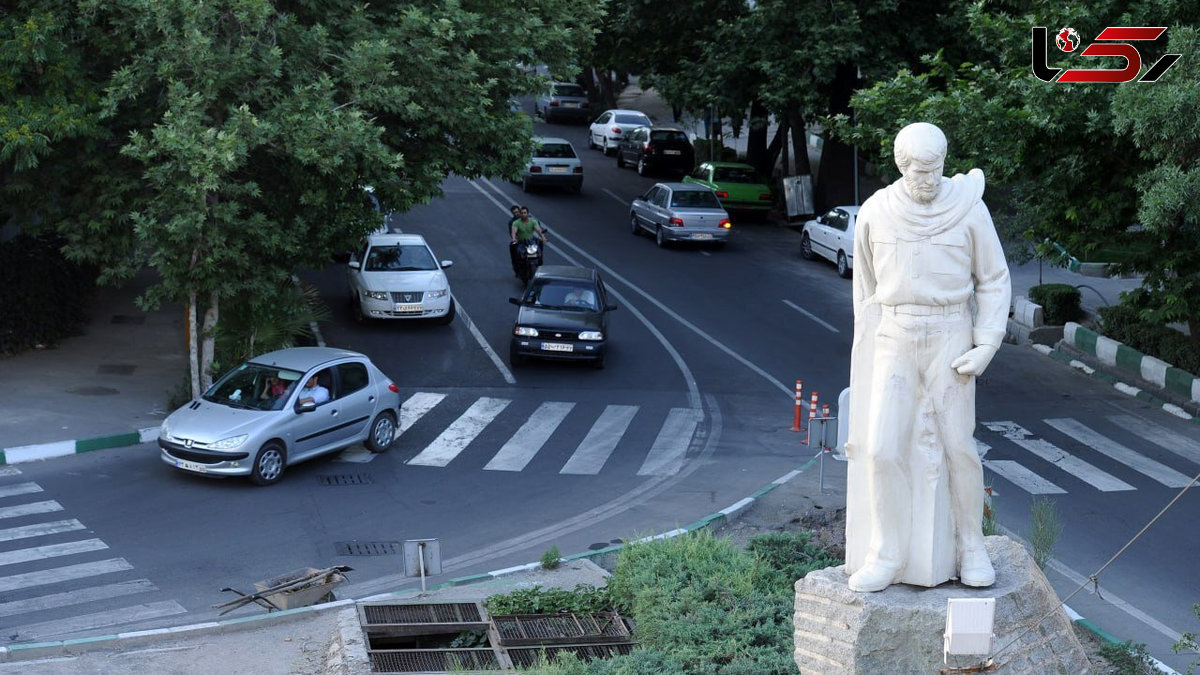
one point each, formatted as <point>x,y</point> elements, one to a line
<point>1094,578</point>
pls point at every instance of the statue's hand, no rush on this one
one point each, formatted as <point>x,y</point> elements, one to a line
<point>975,361</point>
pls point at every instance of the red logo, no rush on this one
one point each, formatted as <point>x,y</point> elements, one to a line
<point>1118,39</point>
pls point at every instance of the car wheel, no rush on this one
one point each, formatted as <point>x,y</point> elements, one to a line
<point>591,141</point>
<point>449,316</point>
<point>604,146</point>
<point>806,251</point>
<point>383,432</point>
<point>633,225</point>
<point>843,265</point>
<point>641,166</point>
<point>269,464</point>
<point>525,183</point>
<point>620,159</point>
<point>514,359</point>
<point>659,237</point>
<point>356,308</point>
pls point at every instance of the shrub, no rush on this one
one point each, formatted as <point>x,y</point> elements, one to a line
<point>1047,525</point>
<point>1128,658</point>
<point>1124,323</point>
<point>584,598</point>
<point>552,558</point>
<point>792,553</point>
<point>49,293</point>
<point>1060,302</point>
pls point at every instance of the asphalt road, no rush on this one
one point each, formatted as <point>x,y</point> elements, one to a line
<point>693,411</point>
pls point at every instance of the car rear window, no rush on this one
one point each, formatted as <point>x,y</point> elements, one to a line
<point>668,136</point>
<point>555,150</point>
<point>632,119</point>
<point>569,90</point>
<point>725,174</point>
<point>403,258</point>
<point>695,198</point>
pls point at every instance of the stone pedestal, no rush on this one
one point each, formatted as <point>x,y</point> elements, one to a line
<point>899,630</point>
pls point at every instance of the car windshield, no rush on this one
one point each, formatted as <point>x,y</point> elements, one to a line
<point>254,386</point>
<point>558,294</point>
<point>695,199</point>
<point>568,90</point>
<point>669,136</point>
<point>399,258</point>
<point>555,150</point>
<point>733,174</point>
<point>626,118</point>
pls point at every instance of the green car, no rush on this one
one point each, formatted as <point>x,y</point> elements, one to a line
<point>739,186</point>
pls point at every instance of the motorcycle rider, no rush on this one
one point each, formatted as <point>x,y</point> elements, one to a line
<point>523,229</point>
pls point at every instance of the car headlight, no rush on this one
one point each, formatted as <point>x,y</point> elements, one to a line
<point>229,443</point>
<point>376,295</point>
<point>525,331</point>
<point>591,335</point>
<point>164,431</point>
<point>438,294</point>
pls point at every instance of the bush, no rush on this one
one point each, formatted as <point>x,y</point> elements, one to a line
<point>1128,658</point>
<point>552,558</point>
<point>1060,302</point>
<point>585,598</point>
<point>49,293</point>
<point>1125,324</point>
<point>792,553</point>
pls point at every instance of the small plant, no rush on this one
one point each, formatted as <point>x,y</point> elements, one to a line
<point>552,558</point>
<point>990,525</point>
<point>583,599</point>
<point>469,639</point>
<point>1190,642</point>
<point>1128,658</point>
<point>1046,527</point>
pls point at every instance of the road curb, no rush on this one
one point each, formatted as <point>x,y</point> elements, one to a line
<point>1124,388</point>
<point>39,451</point>
<point>1108,638</point>
<point>1128,360</point>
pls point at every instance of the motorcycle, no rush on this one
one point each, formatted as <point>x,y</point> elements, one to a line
<point>529,258</point>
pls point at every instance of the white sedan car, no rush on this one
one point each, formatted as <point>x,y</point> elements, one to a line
<point>396,276</point>
<point>610,128</point>
<point>831,236</point>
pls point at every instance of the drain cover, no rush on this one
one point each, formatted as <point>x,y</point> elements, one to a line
<point>368,547</point>
<point>346,479</point>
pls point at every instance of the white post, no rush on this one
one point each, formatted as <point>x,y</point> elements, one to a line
<point>421,558</point>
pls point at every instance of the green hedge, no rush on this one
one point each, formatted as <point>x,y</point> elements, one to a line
<point>1124,324</point>
<point>43,296</point>
<point>1060,302</point>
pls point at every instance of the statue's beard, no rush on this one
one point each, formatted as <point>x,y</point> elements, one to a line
<point>923,195</point>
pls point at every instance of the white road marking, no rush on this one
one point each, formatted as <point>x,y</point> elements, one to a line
<point>415,408</point>
<point>810,315</point>
<point>61,574</point>
<point>355,454</point>
<point>68,598</point>
<point>455,438</point>
<point>1023,478</point>
<point>487,349</point>
<point>1140,463</point>
<point>40,529</point>
<point>620,200</point>
<point>116,617</point>
<point>19,489</point>
<point>30,509</point>
<point>51,551</point>
<point>1101,480</point>
<point>9,471</point>
<point>666,455</point>
<point>529,439</point>
<point>600,441</point>
<point>1164,438</point>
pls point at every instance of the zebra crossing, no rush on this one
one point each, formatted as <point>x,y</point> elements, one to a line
<point>53,564</point>
<point>1093,453</point>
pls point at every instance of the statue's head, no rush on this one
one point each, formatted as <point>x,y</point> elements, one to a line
<point>920,151</point>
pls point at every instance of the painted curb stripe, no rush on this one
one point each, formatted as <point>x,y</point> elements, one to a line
<point>1129,359</point>
<point>39,451</point>
<point>106,442</point>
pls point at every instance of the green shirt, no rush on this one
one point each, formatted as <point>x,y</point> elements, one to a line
<point>525,228</point>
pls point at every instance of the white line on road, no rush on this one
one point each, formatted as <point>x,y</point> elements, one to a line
<point>455,438</point>
<point>1023,478</point>
<point>810,315</point>
<point>19,489</point>
<point>529,439</point>
<point>1101,480</point>
<point>30,509</point>
<point>666,455</point>
<point>415,408</point>
<point>487,349</point>
<point>1138,462</point>
<point>601,440</point>
<point>355,454</point>
<point>61,574</point>
<point>116,617</point>
<point>68,598</point>
<point>51,551</point>
<point>1164,438</point>
<point>40,529</point>
<point>610,193</point>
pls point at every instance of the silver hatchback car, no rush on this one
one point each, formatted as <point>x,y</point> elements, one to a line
<point>680,212</point>
<point>280,409</point>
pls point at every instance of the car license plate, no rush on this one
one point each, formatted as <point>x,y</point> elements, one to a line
<point>557,347</point>
<point>558,169</point>
<point>702,235</point>
<point>570,104</point>
<point>408,308</point>
<point>671,152</point>
<point>191,466</point>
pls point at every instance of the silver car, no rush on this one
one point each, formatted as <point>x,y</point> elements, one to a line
<point>564,101</point>
<point>270,413</point>
<point>680,212</point>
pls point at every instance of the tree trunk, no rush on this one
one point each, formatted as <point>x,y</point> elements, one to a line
<point>797,124</point>
<point>193,335</point>
<point>776,147</point>
<point>756,139</point>
<point>210,329</point>
<point>836,176</point>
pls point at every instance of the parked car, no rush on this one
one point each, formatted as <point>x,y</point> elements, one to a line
<point>831,236</point>
<point>564,101</point>
<point>396,276</point>
<point>563,315</point>
<point>680,212</point>
<point>251,422</point>
<point>657,148</point>
<point>607,131</point>
<point>554,163</point>
<point>739,186</point>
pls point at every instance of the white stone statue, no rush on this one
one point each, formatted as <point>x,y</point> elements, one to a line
<point>924,246</point>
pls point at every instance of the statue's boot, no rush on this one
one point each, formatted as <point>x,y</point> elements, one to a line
<point>873,576</point>
<point>975,569</point>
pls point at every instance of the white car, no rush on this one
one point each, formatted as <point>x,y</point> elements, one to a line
<point>609,129</point>
<point>555,164</point>
<point>396,276</point>
<point>831,236</point>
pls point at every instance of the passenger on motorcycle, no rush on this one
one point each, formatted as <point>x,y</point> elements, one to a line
<point>523,229</point>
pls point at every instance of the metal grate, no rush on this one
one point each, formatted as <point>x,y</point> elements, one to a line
<point>115,369</point>
<point>525,657</point>
<point>346,479</point>
<point>448,612</point>
<point>543,629</point>
<point>130,320</point>
<point>368,547</point>
<point>432,660</point>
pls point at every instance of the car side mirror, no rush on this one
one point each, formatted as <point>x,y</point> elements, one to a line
<point>610,306</point>
<point>515,301</point>
<point>354,265</point>
<point>306,407</point>
<point>446,263</point>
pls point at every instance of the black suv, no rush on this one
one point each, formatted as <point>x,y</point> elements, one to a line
<point>657,148</point>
